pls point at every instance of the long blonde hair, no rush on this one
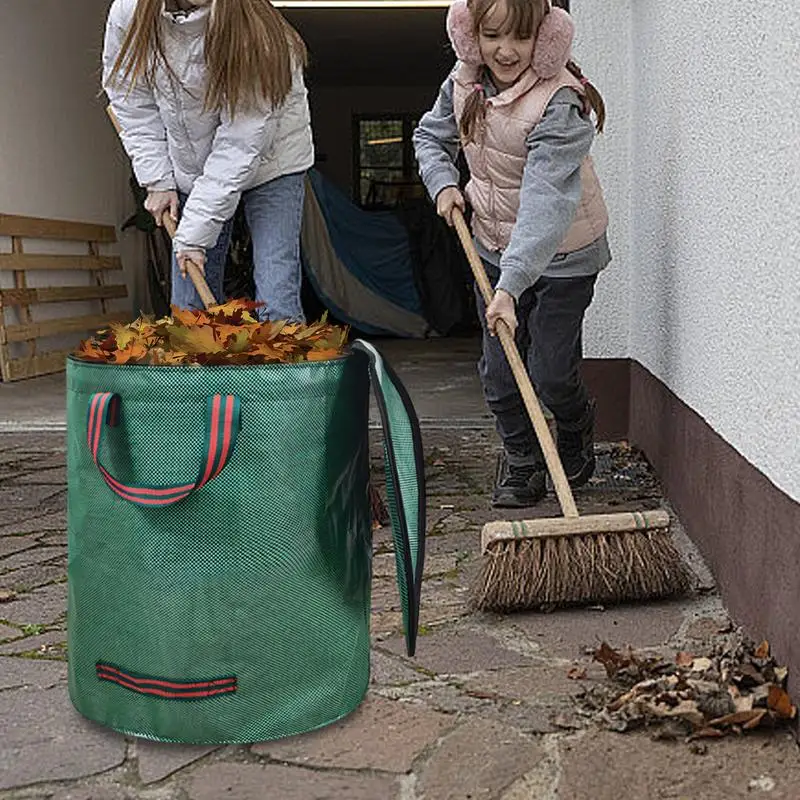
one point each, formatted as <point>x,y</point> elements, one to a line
<point>250,51</point>
<point>524,19</point>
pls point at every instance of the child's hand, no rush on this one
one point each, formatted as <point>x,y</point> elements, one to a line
<point>197,257</point>
<point>502,307</point>
<point>447,200</point>
<point>159,202</point>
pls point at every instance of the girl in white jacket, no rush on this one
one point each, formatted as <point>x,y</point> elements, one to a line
<point>212,105</point>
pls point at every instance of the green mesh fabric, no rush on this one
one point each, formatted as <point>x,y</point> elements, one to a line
<point>262,574</point>
<point>405,475</point>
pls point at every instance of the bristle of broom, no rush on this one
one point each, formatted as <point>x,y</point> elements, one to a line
<point>600,568</point>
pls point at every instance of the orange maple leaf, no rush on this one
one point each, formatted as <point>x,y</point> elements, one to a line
<point>197,339</point>
<point>134,352</point>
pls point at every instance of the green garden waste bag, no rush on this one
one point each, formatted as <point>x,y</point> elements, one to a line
<point>220,542</point>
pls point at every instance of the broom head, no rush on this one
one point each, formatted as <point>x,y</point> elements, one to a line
<point>597,558</point>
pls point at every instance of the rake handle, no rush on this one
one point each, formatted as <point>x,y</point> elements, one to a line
<point>534,409</point>
<point>195,273</point>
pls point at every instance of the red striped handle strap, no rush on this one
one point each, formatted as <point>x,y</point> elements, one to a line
<point>168,689</point>
<point>222,428</point>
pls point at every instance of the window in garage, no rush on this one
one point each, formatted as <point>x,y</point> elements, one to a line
<point>385,171</point>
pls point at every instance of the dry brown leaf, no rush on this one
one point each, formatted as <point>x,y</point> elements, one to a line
<point>707,733</point>
<point>762,651</point>
<point>779,701</point>
<point>577,674</point>
<point>611,659</point>
<point>756,721</point>
<point>738,718</point>
<point>743,703</point>
<point>686,709</point>
<point>748,674</point>
<point>760,694</point>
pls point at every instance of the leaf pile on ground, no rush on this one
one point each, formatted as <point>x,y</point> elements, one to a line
<point>230,333</point>
<point>736,688</point>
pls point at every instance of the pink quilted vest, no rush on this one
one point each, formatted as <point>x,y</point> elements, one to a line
<point>496,162</point>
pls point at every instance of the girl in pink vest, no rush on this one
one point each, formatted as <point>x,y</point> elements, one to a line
<point>519,110</point>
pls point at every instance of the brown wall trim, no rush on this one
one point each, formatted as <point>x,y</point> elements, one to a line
<point>608,380</point>
<point>747,529</point>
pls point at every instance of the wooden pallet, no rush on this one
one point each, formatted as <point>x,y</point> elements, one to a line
<point>19,330</point>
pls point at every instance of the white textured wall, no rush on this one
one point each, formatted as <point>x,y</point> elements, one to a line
<point>58,153</point>
<point>716,218</point>
<point>602,48</point>
<point>713,257</point>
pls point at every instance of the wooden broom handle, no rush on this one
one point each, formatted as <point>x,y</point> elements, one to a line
<point>563,491</point>
<point>195,273</point>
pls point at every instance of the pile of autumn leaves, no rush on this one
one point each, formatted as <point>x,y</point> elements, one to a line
<point>225,334</point>
<point>736,688</point>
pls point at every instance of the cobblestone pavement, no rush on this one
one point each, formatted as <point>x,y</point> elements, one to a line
<point>486,709</point>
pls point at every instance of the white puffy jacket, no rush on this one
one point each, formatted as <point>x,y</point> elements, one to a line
<point>174,144</point>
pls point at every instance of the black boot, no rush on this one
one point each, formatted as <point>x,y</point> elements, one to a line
<point>576,447</point>
<point>518,487</point>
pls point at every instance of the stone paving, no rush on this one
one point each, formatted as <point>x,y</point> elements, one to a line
<point>486,709</point>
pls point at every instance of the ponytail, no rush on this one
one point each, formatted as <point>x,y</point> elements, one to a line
<point>592,95</point>
<point>474,115</point>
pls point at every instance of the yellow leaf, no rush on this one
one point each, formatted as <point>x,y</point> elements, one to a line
<point>235,311</point>
<point>124,335</point>
<point>198,339</point>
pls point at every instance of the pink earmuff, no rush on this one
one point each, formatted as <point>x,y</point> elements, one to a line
<point>550,53</point>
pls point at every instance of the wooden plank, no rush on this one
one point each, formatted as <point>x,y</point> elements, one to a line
<point>39,228</point>
<point>5,368</point>
<point>55,327</point>
<point>59,294</point>
<point>98,276</point>
<point>20,283</point>
<point>43,364</point>
<point>27,261</point>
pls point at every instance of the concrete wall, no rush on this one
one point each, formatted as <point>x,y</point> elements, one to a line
<point>59,157</point>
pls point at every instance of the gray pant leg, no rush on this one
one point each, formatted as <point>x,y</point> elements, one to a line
<point>549,337</point>
<point>555,349</point>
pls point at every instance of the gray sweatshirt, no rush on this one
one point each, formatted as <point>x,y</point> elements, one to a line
<point>549,194</point>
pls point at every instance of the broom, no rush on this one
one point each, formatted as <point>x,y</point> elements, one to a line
<point>378,509</point>
<point>596,558</point>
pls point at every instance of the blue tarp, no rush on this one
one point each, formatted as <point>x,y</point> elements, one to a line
<point>373,245</point>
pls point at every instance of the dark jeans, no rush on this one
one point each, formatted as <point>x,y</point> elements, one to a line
<point>549,337</point>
